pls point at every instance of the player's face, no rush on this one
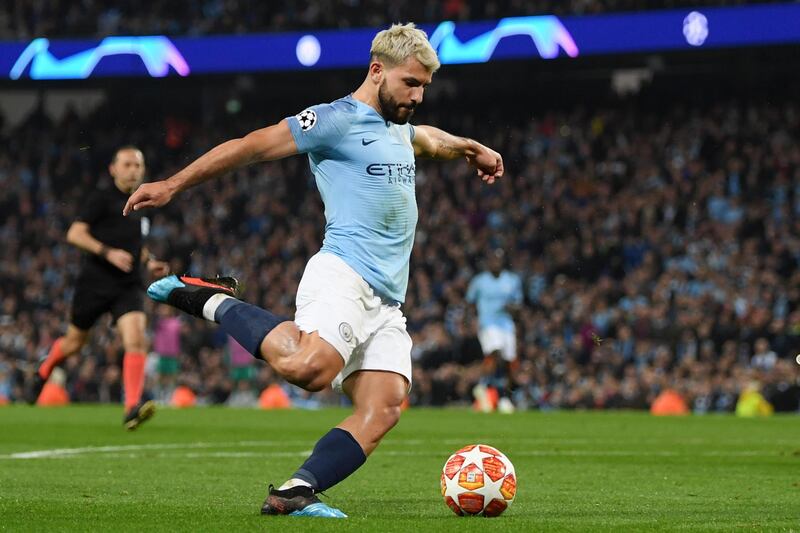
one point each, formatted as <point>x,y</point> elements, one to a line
<point>127,169</point>
<point>402,89</point>
<point>495,265</point>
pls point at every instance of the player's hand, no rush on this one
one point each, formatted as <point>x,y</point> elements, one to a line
<point>488,163</point>
<point>120,259</point>
<point>153,194</point>
<point>157,269</point>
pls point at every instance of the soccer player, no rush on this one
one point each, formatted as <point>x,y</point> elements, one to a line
<point>110,281</point>
<point>497,293</point>
<point>348,329</point>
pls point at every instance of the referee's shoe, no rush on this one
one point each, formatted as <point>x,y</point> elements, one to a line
<point>140,413</point>
<point>191,294</point>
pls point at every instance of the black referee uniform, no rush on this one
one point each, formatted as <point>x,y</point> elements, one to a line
<point>101,287</point>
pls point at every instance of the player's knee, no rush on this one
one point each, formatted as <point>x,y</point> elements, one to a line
<point>390,416</point>
<point>305,370</point>
<point>384,418</point>
<point>135,344</point>
<point>318,383</point>
<point>136,347</point>
<point>70,345</point>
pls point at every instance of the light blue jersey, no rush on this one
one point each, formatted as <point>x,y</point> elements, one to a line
<point>365,173</point>
<point>492,295</point>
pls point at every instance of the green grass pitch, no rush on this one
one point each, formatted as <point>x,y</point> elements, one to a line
<point>208,469</point>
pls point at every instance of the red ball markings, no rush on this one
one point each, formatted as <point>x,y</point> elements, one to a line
<point>509,487</point>
<point>488,449</point>
<point>494,468</point>
<point>453,465</point>
<point>471,477</point>
<point>451,503</point>
<point>471,502</point>
<point>495,508</point>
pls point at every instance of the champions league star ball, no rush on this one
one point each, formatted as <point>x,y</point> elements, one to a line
<point>478,480</point>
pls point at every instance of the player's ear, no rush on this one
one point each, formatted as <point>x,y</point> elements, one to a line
<point>376,71</point>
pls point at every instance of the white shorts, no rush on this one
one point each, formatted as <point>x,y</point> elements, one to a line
<point>335,301</point>
<point>494,339</point>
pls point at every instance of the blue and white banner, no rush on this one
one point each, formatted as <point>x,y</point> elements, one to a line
<point>539,37</point>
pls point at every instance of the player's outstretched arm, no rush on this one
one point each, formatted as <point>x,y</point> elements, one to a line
<point>434,143</point>
<point>266,144</point>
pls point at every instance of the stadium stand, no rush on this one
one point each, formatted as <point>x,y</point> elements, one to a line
<point>98,18</point>
<point>659,249</point>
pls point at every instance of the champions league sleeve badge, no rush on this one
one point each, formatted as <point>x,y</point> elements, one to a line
<point>307,119</point>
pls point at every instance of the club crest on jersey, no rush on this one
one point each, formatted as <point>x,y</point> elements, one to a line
<point>307,119</point>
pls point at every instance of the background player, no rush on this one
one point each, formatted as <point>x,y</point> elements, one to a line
<point>110,281</point>
<point>497,294</point>
<point>348,328</point>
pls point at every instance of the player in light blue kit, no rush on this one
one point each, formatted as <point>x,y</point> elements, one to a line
<point>348,329</point>
<point>497,293</point>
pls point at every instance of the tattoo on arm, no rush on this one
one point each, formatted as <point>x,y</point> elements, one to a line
<point>445,150</point>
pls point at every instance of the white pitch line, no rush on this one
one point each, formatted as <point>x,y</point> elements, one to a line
<point>528,453</point>
<point>132,450</point>
<point>66,452</point>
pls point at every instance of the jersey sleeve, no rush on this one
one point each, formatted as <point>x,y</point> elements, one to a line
<point>318,128</point>
<point>92,209</point>
<point>411,132</point>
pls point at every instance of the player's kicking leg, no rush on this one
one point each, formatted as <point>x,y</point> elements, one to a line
<point>377,398</point>
<point>301,358</point>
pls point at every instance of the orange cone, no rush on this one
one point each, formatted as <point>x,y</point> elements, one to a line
<point>668,403</point>
<point>274,397</point>
<point>183,397</point>
<point>53,395</point>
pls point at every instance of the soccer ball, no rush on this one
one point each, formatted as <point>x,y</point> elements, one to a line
<point>478,479</point>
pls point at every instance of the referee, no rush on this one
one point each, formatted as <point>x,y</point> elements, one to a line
<point>110,281</point>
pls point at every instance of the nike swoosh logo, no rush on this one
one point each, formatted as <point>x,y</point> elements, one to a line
<point>365,142</point>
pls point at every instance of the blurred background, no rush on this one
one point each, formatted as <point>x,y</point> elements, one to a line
<point>651,203</point>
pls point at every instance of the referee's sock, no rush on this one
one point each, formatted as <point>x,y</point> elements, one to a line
<point>54,358</point>
<point>133,378</point>
<point>247,323</point>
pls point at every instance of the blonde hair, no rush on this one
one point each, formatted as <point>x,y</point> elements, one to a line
<point>401,41</point>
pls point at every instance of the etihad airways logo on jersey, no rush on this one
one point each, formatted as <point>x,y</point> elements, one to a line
<point>395,172</point>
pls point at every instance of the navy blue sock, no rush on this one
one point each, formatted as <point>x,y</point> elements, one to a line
<point>336,456</point>
<point>246,323</point>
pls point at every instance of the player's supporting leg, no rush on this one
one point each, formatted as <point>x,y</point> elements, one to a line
<point>131,327</point>
<point>63,347</point>
<point>303,359</point>
<point>377,399</point>
<point>507,355</point>
<point>505,386</point>
<point>482,392</point>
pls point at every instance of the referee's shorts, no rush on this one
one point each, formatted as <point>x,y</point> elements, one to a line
<point>90,302</point>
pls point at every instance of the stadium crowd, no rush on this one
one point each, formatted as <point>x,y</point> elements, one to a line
<point>24,19</point>
<point>659,250</point>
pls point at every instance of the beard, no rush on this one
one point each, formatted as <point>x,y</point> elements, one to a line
<point>392,110</point>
